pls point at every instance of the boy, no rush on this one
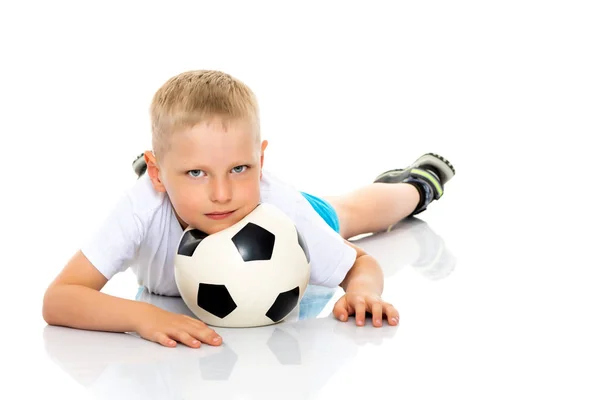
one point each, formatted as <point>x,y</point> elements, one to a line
<point>205,171</point>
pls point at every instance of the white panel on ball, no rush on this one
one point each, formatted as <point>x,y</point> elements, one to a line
<point>254,285</point>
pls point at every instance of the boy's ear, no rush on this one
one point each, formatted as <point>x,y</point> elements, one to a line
<point>263,146</point>
<point>153,171</point>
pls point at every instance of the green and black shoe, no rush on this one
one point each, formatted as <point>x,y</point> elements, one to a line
<point>429,174</point>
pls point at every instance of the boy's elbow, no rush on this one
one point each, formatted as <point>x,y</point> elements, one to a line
<point>48,309</point>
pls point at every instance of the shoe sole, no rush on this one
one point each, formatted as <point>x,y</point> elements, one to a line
<point>445,168</point>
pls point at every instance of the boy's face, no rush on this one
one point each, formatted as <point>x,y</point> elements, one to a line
<point>211,173</point>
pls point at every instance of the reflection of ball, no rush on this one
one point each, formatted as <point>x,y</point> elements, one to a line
<point>251,274</point>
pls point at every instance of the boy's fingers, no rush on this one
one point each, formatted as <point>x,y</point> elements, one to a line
<point>214,340</point>
<point>340,311</point>
<point>208,336</point>
<point>186,338</point>
<point>392,314</point>
<point>359,311</point>
<point>162,338</point>
<point>376,311</point>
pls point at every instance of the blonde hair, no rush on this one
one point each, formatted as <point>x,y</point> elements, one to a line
<point>195,96</point>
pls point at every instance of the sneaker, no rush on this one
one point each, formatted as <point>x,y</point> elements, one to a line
<point>139,165</point>
<point>429,174</point>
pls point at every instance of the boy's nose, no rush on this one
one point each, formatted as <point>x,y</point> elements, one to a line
<point>220,190</point>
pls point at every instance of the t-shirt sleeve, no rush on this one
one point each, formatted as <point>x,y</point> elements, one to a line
<point>114,244</point>
<point>330,257</point>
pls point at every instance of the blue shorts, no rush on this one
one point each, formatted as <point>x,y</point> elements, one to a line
<point>325,210</point>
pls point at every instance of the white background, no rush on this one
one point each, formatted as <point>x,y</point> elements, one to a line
<point>507,91</point>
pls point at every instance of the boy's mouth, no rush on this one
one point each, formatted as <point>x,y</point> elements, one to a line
<point>220,214</point>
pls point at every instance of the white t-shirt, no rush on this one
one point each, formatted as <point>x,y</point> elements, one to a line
<point>142,233</point>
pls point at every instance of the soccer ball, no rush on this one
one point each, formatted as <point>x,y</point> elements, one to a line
<point>253,273</point>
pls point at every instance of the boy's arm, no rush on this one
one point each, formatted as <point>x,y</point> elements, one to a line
<point>365,274</point>
<point>74,300</point>
<point>363,285</point>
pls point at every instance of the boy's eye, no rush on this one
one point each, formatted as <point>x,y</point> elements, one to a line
<point>239,168</point>
<point>196,173</point>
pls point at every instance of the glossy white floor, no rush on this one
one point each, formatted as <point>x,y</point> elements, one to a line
<point>476,321</point>
<point>496,284</point>
<point>310,354</point>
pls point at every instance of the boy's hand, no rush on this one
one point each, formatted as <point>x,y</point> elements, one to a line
<point>358,303</point>
<point>168,328</point>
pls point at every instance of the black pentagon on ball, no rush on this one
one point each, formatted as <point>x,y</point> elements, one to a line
<point>190,240</point>
<point>254,243</point>
<point>303,245</point>
<point>284,304</point>
<point>215,299</point>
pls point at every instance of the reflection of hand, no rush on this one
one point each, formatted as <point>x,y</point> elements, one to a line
<point>167,328</point>
<point>358,303</point>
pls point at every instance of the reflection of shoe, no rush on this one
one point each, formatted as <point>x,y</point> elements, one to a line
<point>428,174</point>
<point>139,165</point>
<point>410,242</point>
<point>439,265</point>
<point>435,260</point>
